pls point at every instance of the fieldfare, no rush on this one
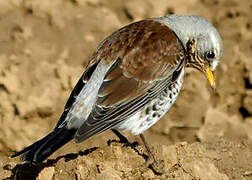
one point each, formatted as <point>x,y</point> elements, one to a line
<point>132,79</point>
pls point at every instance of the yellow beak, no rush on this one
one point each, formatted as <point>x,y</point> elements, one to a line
<point>210,77</point>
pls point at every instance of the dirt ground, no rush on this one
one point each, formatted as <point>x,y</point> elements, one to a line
<point>44,47</point>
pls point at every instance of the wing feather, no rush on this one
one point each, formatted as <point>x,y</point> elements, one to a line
<point>75,92</point>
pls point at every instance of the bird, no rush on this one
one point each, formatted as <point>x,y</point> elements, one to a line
<point>132,79</point>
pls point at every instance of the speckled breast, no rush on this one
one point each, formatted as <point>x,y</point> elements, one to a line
<point>154,110</point>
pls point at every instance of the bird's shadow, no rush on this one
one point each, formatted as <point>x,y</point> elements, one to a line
<point>29,171</point>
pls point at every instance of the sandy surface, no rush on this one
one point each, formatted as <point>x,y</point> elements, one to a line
<point>44,47</point>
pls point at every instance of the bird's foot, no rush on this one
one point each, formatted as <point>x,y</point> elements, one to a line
<point>151,161</point>
<point>155,166</point>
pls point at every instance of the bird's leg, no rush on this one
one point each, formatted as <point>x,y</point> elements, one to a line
<point>151,162</point>
<point>121,137</point>
<point>151,159</point>
<point>124,140</point>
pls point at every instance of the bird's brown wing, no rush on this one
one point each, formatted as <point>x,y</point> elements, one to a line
<point>147,57</point>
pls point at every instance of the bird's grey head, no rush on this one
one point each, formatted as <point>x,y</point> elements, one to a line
<point>200,39</point>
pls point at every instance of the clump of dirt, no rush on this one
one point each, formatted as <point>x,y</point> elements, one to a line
<point>44,47</point>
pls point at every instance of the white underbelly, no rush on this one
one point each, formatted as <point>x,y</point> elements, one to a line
<point>153,111</point>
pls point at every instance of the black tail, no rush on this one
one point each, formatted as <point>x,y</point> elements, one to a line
<point>43,148</point>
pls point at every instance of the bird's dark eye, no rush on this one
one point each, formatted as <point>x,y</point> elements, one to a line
<point>210,55</point>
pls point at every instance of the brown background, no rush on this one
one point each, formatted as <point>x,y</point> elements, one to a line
<point>44,47</point>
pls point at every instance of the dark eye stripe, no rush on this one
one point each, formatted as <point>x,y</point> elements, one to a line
<point>195,65</point>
